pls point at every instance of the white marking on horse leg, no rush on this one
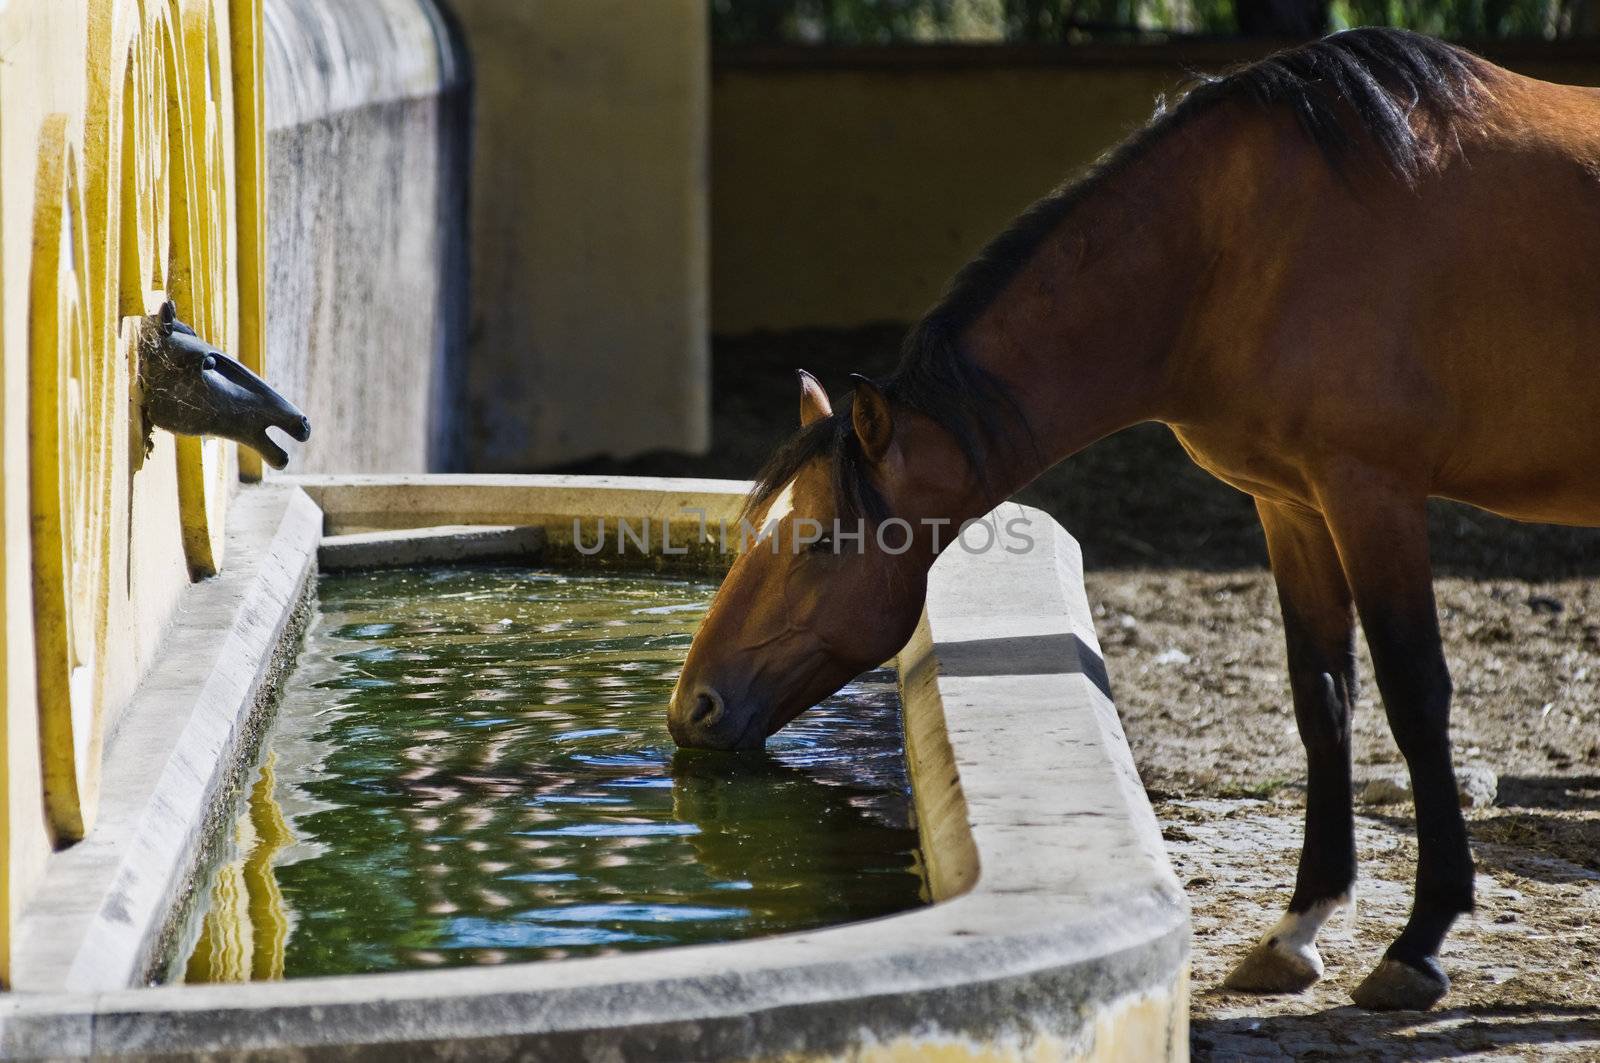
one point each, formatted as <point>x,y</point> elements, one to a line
<point>1286,960</point>
<point>1296,933</point>
<point>1347,924</point>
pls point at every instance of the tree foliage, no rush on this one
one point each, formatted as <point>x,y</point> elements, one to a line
<point>1060,21</point>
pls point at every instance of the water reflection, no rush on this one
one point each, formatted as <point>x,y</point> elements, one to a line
<point>243,934</point>
<point>475,768</point>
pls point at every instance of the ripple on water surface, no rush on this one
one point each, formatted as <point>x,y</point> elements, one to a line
<point>471,765</point>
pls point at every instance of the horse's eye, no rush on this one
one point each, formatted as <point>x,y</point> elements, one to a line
<point>823,545</point>
<point>208,362</point>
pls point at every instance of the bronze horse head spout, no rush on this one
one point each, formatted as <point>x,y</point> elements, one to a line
<point>191,388</point>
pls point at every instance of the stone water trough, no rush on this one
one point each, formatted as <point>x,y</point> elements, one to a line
<point>1057,930</point>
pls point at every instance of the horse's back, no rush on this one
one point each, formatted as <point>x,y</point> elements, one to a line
<point>1525,113</point>
<point>1514,328</point>
<point>1458,314</point>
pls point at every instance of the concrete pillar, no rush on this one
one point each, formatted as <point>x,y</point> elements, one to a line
<point>366,104</point>
<point>589,229</point>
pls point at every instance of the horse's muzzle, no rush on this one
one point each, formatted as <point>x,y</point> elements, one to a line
<point>701,719</point>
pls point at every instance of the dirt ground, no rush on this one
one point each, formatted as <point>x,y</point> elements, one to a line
<point>1195,662</point>
<point>1188,620</point>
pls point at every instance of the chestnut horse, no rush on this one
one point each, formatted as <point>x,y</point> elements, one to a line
<point>1350,277</point>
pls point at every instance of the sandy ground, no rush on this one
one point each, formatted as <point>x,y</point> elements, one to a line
<point>1188,620</point>
<point>1524,966</point>
<point>1195,662</point>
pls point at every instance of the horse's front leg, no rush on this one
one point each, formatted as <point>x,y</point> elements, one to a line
<point>1319,630</point>
<point>1381,530</point>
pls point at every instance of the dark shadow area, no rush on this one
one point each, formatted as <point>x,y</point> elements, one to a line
<point>1132,501</point>
<point>1399,1035</point>
<point>1024,655</point>
<point>777,825</point>
<point>1571,792</point>
<point>447,442</point>
<point>1541,845</point>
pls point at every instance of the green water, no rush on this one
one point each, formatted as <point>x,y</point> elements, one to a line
<point>471,765</point>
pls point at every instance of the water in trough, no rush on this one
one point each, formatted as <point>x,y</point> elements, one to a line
<point>471,765</point>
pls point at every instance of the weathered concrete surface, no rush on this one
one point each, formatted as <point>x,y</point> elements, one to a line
<point>1029,754</point>
<point>96,922</point>
<point>373,503</point>
<point>665,524</point>
<point>430,546</point>
<point>589,230</point>
<point>366,104</point>
<point>1060,932</point>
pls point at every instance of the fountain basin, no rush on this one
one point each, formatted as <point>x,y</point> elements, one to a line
<point>1058,932</point>
<point>470,765</point>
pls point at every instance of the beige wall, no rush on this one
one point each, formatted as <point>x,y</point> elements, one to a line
<point>124,183</point>
<point>588,235</point>
<point>849,186</point>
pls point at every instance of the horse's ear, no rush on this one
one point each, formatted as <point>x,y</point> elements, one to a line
<point>870,416</point>
<point>814,404</point>
<point>169,314</point>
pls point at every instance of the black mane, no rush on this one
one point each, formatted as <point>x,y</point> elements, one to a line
<point>1352,92</point>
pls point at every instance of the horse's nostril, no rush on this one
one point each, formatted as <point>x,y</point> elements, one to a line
<point>707,708</point>
<point>305,429</point>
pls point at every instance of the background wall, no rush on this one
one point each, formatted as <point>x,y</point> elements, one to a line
<point>589,306</point>
<point>850,184</point>
<point>366,104</point>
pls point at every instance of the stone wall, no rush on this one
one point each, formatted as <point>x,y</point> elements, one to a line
<point>587,234</point>
<point>366,105</point>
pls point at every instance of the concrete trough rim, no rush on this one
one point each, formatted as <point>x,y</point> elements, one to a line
<point>1021,910</point>
<point>724,982</point>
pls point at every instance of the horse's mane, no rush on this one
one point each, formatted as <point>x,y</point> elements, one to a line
<point>1351,93</point>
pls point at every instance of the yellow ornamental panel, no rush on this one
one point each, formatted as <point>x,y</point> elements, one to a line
<point>143,211</point>
<point>186,284</point>
<point>249,198</point>
<point>127,160</point>
<point>69,439</point>
<point>143,231</point>
<point>202,243</point>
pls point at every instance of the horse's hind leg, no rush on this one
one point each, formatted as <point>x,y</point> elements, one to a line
<point>1319,630</point>
<point>1381,532</point>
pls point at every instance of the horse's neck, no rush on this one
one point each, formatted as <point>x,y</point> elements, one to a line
<point>1086,333</point>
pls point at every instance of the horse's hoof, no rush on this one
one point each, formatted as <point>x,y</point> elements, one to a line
<point>1396,986</point>
<point>1274,966</point>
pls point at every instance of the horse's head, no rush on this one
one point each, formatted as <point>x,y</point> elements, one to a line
<point>832,581</point>
<point>191,388</point>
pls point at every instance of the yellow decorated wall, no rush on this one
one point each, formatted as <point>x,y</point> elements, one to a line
<point>131,158</point>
